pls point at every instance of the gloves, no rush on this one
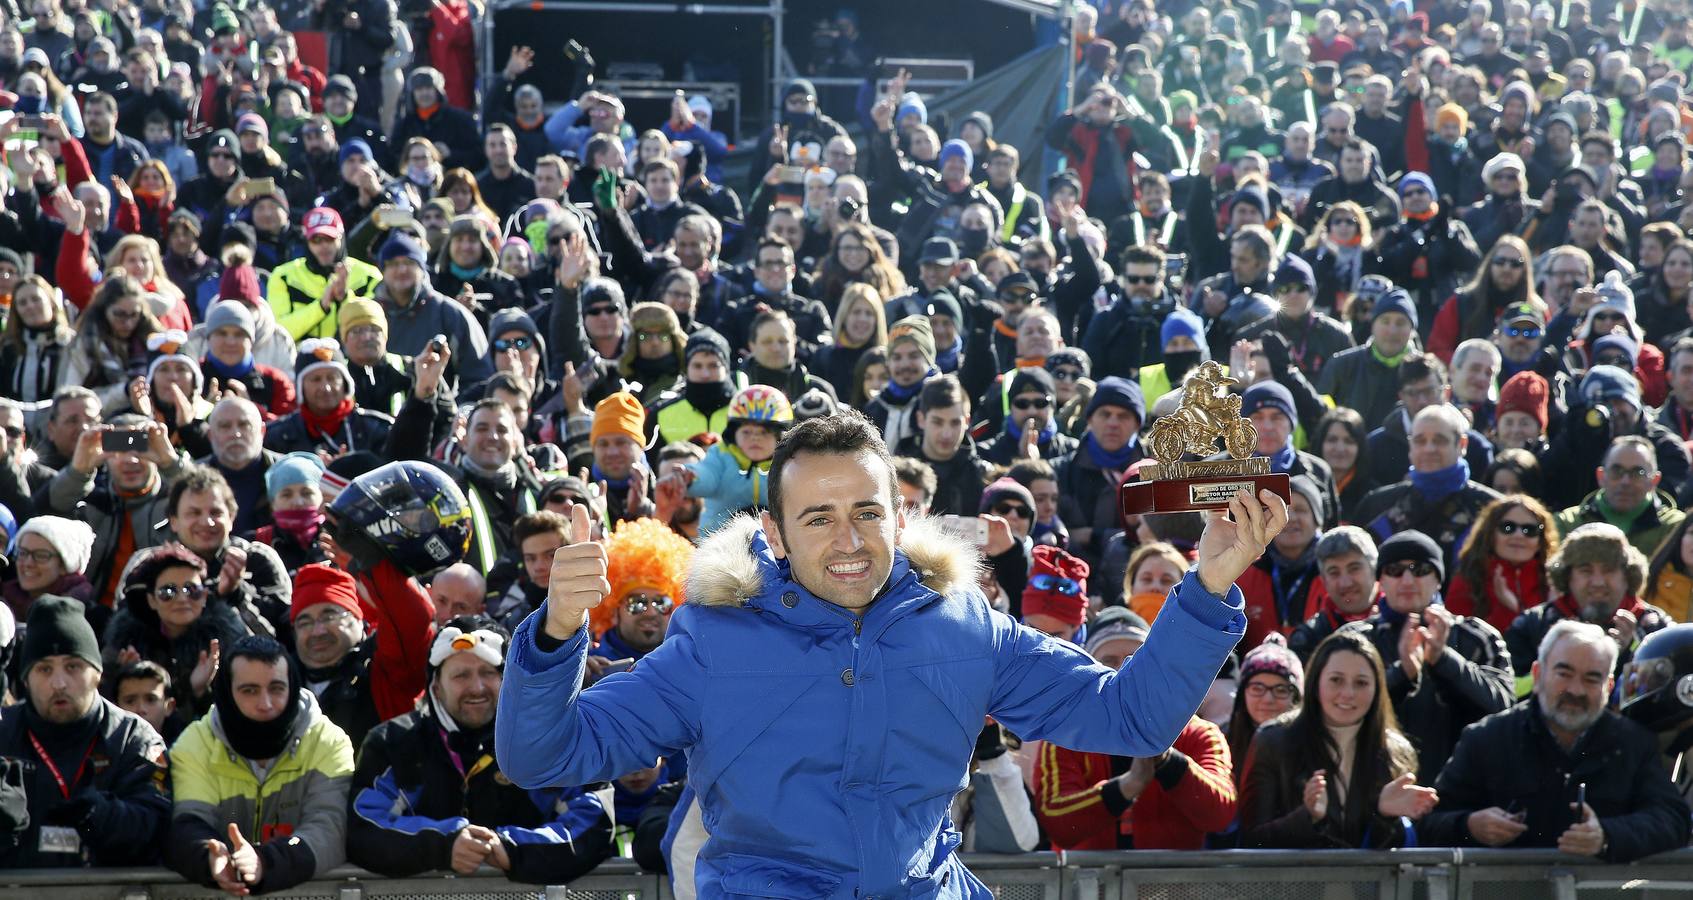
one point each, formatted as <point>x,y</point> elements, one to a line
<point>1276,353</point>
<point>73,813</point>
<point>990,743</point>
<point>605,190</point>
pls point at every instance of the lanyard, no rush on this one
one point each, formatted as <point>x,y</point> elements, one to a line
<point>47,760</point>
<point>458,763</point>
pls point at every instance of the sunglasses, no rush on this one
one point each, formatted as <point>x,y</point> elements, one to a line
<point>501,345</point>
<point>654,336</point>
<point>639,605</point>
<point>1419,569</point>
<point>1141,279</point>
<point>1528,529</point>
<point>190,591</point>
<point>1066,374</point>
<point>600,311</point>
<point>1293,289</point>
<point>1343,221</point>
<point>562,499</point>
<point>1533,333</point>
<point>1013,509</point>
<point>1507,262</point>
<point>1031,402</point>
<point>1045,582</point>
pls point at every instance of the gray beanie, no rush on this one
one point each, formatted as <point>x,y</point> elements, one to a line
<point>230,312</point>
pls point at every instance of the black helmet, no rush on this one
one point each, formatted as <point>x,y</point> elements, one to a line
<point>1657,684</point>
<point>409,513</point>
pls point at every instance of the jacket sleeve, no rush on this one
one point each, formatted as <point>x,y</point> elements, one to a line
<point>619,725</point>
<point>405,621</point>
<point>383,835</point>
<point>1463,788</point>
<point>1069,796</point>
<point>1076,293</point>
<point>1443,338</point>
<point>75,273</point>
<point>1000,808</point>
<point>319,840</point>
<point>67,489</point>
<point>411,436</point>
<point>1268,819</point>
<point>1205,245</point>
<point>296,320</point>
<point>567,344</point>
<point>573,841</point>
<point>1046,689</point>
<point>1485,686</point>
<point>127,819</point>
<point>1659,817</point>
<point>1199,777</point>
<point>470,351</point>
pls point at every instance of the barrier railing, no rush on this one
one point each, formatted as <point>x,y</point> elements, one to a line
<point>1420,874</point>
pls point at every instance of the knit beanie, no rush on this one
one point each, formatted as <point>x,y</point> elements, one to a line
<point>707,340</point>
<point>1296,271</point>
<point>1618,340</point>
<point>917,330</point>
<point>316,353</point>
<point>956,148</point>
<point>73,540</point>
<point>1305,487</point>
<point>911,102</point>
<point>1254,194</point>
<point>1029,379</point>
<point>1069,356</point>
<point>1410,546</point>
<point>1525,392</point>
<point>166,346</point>
<point>1416,179</point>
<point>230,313</point>
<point>1273,657</point>
<point>298,467</point>
<point>402,245</point>
<point>1114,623</point>
<point>1610,383</point>
<point>1397,301</point>
<point>1182,322</point>
<point>600,289</point>
<point>1268,395</point>
<point>1615,295</point>
<point>620,413</point>
<point>1120,392</point>
<point>57,626</point>
<point>1057,586</point>
<point>356,311</point>
<point>355,147</point>
<point>942,303</point>
<point>1598,543</point>
<point>512,319</point>
<point>323,583</point>
<point>1452,112</point>
<point>1002,489</point>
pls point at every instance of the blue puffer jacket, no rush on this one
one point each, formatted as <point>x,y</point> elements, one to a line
<point>728,483</point>
<point>826,748</point>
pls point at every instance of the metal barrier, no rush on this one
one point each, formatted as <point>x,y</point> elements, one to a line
<point>1420,874</point>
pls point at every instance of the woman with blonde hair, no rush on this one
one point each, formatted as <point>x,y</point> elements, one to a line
<point>138,257</point>
<point>653,354</point>
<point>1153,569</point>
<point>35,342</point>
<point>1336,251</point>
<point>1502,566</point>
<point>860,324</point>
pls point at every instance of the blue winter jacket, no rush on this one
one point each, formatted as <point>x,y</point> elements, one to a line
<point>826,748</point>
<point>727,487</point>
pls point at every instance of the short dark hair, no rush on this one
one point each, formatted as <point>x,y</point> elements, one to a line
<point>540,522</point>
<point>140,670</point>
<point>918,474</point>
<point>1144,254</point>
<point>846,432</point>
<point>768,241</point>
<point>510,382</point>
<point>1028,471</point>
<point>260,648</point>
<point>68,393</point>
<point>1420,366</point>
<point>682,450</point>
<point>501,128</point>
<point>201,478</point>
<point>942,391</point>
<point>655,165</point>
<point>489,402</point>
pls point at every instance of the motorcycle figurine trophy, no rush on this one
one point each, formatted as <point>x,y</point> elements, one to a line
<point>1208,412</point>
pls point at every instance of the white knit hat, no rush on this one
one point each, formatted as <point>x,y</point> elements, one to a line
<point>73,540</point>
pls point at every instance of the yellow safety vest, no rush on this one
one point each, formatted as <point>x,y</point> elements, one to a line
<point>481,524</point>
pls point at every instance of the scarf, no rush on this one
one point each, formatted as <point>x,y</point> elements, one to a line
<point>1623,519</point>
<point>947,360</point>
<point>1392,362</point>
<point>660,372</point>
<point>1283,459</point>
<point>318,426</point>
<point>464,274</point>
<point>1428,215</point>
<point>215,366</point>
<point>616,484</point>
<point>1441,484</point>
<point>1108,460</point>
<point>1290,576</point>
<point>427,112</point>
<point>1393,617</point>
<point>1178,363</point>
<point>257,740</point>
<point>300,524</point>
<point>339,120</point>
<point>896,395</point>
<point>708,397</point>
<point>1016,433</point>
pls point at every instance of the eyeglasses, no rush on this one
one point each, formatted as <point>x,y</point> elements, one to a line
<point>654,336</point>
<point>501,345</point>
<point>1419,569</point>
<point>1621,472</point>
<point>1013,509</point>
<point>1343,221</point>
<point>1141,279</point>
<point>600,311</point>
<point>1047,582</point>
<point>330,618</point>
<point>124,315</point>
<point>190,591</point>
<point>1508,262</point>
<point>1279,691</point>
<point>39,557</point>
<point>1532,332</point>
<point>1527,529</point>
<point>1066,374</point>
<point>1031,402</point>
<point>638,605</point>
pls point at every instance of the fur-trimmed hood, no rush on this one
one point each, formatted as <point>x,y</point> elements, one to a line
<point>730,567</point>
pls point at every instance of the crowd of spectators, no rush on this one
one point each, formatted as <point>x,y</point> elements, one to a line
<point>1439,249</point>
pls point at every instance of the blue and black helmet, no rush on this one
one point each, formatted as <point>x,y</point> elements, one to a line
<point>410,513</point>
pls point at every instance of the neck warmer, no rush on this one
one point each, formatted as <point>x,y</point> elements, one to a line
<point>318,426</point>
<point>301,524</point>
<point>1177,364</point>
<point>503,478</point>
<point>140,493</point>
<point>1110,460</point>
<point>1395,618</point>
<point>1619,517</point>
<point>616,484</point>
<point>1356,240</point>
<point>1438,485</point>
<point>660,371</point>
<point>464,274</point>
<point>320,270</point>
<point>339,120</point>
<point>947,360</point>
<point>1289,576</point>
<point>1432,211</point>
<point>215,367</point>
<point>1392,362</point>
<point>63,740</point>
<point>1283,459</point>
<point>708,397</point>
<point>257,740</point>
<point>426,112</point>
<point>1016,433</point>
<point>896,395</point>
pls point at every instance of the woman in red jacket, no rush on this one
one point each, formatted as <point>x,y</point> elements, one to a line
<point>1502,566</point>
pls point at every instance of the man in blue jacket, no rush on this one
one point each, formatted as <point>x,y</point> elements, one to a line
<point>830,674</point>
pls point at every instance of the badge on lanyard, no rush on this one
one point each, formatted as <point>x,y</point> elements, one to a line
<point>59,839</point>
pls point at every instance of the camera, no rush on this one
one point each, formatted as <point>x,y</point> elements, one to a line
<point>848,208</point>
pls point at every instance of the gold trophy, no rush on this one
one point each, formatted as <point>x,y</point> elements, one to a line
<point>1209,412</point>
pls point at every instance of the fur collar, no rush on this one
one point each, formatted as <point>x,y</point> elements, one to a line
<point>730,566</point>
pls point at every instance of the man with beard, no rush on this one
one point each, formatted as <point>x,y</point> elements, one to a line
<point>261,782</point>
<point>428,794</point>
<point>1597,576</point>
<point>316,155</point>
<point>946,446</point>
<point>1519,778</point>
<point>110,153</point>
<point>110,813</point>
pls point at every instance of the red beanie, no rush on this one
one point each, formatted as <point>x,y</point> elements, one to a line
<point>1051,576</point>
<point>240,283</point>
<point>1524,392</point>
<point>323,583</point>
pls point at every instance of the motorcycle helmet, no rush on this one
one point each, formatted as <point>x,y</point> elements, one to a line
<point>409,513</point>
<point>1656,689</point>
<point>760,405</point>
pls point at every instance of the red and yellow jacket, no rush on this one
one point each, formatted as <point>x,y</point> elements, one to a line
<point>1191,795</point>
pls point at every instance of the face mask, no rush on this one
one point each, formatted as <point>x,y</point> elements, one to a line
<point>420,175</point>
<point>303,524</point>
<point>1178,363</point>
<point>27,106</point>
<point>973,241</point>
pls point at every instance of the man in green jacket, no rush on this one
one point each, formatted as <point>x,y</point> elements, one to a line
<point>1628,497</point>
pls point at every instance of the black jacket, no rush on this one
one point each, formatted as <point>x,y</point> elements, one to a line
<point>1312,341</point>
<point>958,481</point>
<point>1401,507</point>
<point>1125,337</point>
<point>1471,679</point>
<point>1524,635</point>
<point>1428,259</point>
<point>120,806</point>
<point>361,430</point>
<point>1511,760</point>
<point>1378,201</point>
<point>411,798</point>
<point>1389,449</point>
<point>1355,378</point>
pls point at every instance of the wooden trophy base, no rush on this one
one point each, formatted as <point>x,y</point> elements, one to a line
<point>1199,486</point>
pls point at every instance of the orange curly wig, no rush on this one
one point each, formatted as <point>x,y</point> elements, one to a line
<point>641,555</point>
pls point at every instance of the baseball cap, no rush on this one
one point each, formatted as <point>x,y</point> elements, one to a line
<point>324,220</point>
